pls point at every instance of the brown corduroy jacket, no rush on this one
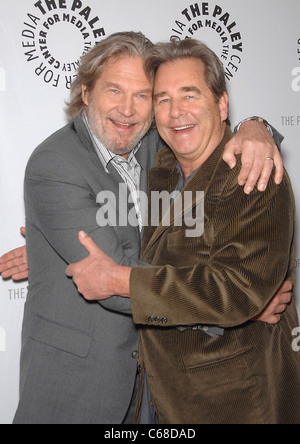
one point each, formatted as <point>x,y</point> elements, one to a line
<point>226,278</point>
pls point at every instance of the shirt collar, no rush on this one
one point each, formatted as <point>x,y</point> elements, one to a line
<point>188,179</point>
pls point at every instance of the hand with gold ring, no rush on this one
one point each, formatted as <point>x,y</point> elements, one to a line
<point>257,147</point>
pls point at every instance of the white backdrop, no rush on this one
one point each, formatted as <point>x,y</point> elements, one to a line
<point>41,43</point>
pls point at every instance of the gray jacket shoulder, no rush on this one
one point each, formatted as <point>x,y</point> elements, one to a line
<point>65,140</point>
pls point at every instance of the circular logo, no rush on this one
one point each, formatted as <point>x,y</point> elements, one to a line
<point>217,28</point>
<point>55,35</point>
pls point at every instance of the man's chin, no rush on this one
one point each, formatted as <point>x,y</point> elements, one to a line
<point>122,147</point>
<point>122,151</point>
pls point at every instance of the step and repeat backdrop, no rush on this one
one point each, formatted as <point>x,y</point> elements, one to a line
<point>41,45</point>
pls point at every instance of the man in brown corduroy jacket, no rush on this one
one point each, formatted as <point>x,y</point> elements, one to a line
<point>206,358</point>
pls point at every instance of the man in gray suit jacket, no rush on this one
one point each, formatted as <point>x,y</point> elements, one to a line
<point>69,372</point>
<point>79,359</point>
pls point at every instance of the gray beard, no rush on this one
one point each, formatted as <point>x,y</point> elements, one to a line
<point>108,143</point>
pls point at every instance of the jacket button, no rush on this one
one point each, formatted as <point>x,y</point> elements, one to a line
<point>164,321</point>
<point>157,320</point>
<point>150,319</point>
<point>135,355</point>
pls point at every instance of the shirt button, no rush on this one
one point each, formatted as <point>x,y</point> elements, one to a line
<point>135,355</point>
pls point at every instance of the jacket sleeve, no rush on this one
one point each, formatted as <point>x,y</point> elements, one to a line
<point>250,257</point>
<point>278,138</point>
<point>60,203</point>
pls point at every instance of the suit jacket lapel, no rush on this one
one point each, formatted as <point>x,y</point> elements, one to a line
<point>159,179</point>
<point>83,135</point>
<point>142,158</point>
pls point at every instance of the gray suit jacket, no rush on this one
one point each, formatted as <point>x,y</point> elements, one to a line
<point>78,361</point>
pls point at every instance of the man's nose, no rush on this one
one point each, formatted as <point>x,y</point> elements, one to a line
<point>126,106</point>
<point>176,109</point>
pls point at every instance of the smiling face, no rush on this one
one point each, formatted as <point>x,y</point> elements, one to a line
<point>188,116</point>
<point>119,107</point>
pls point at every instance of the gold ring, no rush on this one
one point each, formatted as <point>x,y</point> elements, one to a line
<point>269,158</point>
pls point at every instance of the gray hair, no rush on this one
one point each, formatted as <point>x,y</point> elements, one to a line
<point>92,64</point>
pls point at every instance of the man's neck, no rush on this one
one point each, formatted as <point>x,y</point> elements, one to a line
<point>125,156</point>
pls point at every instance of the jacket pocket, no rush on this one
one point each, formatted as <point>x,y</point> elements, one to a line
<point>59,336</point>
<point>222,360</point>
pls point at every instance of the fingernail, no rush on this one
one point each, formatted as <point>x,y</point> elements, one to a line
<point>82,234</point>
<point>231,164</point>
<point>242,182</point>
<point>249,190</point>
<point>262,187</point>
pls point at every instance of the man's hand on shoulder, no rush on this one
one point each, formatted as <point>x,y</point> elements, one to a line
<point>259,155</point>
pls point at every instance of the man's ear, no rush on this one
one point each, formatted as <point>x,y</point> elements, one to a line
<point>85,95</point>
<point>224,106</point>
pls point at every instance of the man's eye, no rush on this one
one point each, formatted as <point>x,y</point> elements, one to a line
<point>164,101</point>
